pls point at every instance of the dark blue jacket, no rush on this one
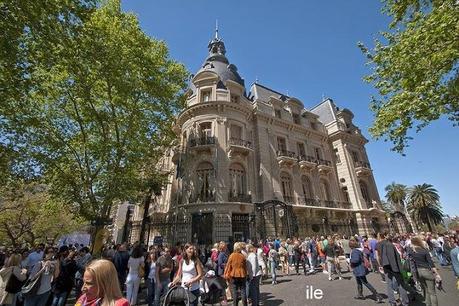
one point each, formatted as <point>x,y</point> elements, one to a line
<point>221,263</point>
<point>357,264</point>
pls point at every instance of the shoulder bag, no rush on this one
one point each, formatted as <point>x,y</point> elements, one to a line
<point>31,285</point>
<point>14,285</point>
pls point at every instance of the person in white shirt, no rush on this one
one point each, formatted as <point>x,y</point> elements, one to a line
<point>190,272</point>
<point>254,274</point>
<point>136,264</point>
<point>151,262</point>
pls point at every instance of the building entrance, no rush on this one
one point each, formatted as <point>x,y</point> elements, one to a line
<point>202,228</point>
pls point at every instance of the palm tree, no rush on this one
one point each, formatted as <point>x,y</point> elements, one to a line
<point>424,205</point>
<point>396,194</point>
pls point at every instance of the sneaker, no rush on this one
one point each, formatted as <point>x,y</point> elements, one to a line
<point>329,278</point>
<point>325,271</point>
<point>311,271</point>
<point>340,278</point>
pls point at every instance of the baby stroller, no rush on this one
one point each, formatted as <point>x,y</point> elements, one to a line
<point>214,289</point>
<point>178,296</point>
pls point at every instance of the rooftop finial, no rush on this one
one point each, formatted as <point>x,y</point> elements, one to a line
<point>216,28</point>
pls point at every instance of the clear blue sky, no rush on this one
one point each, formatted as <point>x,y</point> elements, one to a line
<point>308,48</point>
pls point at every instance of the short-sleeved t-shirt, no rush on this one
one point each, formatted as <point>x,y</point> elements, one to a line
<point>164,261</point>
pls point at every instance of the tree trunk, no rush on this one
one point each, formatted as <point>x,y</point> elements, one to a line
<point>145,217</point>
<point>429,224</point>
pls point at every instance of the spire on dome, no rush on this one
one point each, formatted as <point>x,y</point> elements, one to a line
<point>216,29</point>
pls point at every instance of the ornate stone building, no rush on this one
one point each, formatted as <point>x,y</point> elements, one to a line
<point>260,164</point>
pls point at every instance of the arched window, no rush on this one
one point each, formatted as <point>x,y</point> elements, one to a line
<point>205,175</point>
<point>238,180</point>
<point>307,187</point>
<point>365,193</point>
<point>325,190</point>
<point>286,185</point>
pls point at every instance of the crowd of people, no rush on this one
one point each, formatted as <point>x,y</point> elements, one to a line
<point>223,273</point>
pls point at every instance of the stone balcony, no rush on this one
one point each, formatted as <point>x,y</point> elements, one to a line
<point>243,198</point>
<point>202,143</point>
<point>202,198</point>
<point>308,201</point>
<point>289,199</point>
<point>239,146</point>
<point>286,158</point>
<point>331,204</point>
<point>362,168</point>
<point>324,166</point>
<point>307,162</point>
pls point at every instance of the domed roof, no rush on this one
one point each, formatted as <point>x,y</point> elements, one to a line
<point>217,62</point>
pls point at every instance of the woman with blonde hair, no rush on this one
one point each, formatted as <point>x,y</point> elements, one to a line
<point>427,273</point>
<point>9,271</point>
<point>101,286</point>
<point>236,274</point>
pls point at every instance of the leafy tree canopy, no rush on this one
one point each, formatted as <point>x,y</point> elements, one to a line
<point>415,68</point>
<point>96,107</point>
<point>29,215</point>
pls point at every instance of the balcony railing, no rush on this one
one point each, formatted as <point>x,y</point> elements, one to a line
<point>362,164</point>
<point>308,201</point>
<point>206,197</point>
<point>240,142</point>
<point>331,204</point>
<point>324,162</point>
<point>289,199</point>
<point>345,205</point>
<point>285,153</point>
<point>202,141</point>
<point>244,198</point>
<point>307,158</point>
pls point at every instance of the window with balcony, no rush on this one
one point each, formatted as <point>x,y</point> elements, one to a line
<point>286,185</point>
<point>281,144</point>
<point>238,181</point>
<point>365,193</point>
<point>325,190</point>
<point>318,153</point>
<point>205,176</point>
<point>277,113</point>
<point>296,118</point>
<point>307,187</point>
<point>301,149</point>
<point>206,95</point>
<point>355,156</point>
<point>205,130</point>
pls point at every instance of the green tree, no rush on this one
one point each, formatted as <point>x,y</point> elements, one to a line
<point>415,68</point>
<point>101,113</point>
<point>396,194</point>
<point>424,205</point>
<point>30,215</point>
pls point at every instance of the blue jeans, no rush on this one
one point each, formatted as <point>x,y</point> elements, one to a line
<point>60,298</point>
<point>37,300</point>
<point>395,280</point>
<point>160,291</point>
<point>196,293</point>
<point>254,285</point>
<point>273,270</point>
<point>150,291</point>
